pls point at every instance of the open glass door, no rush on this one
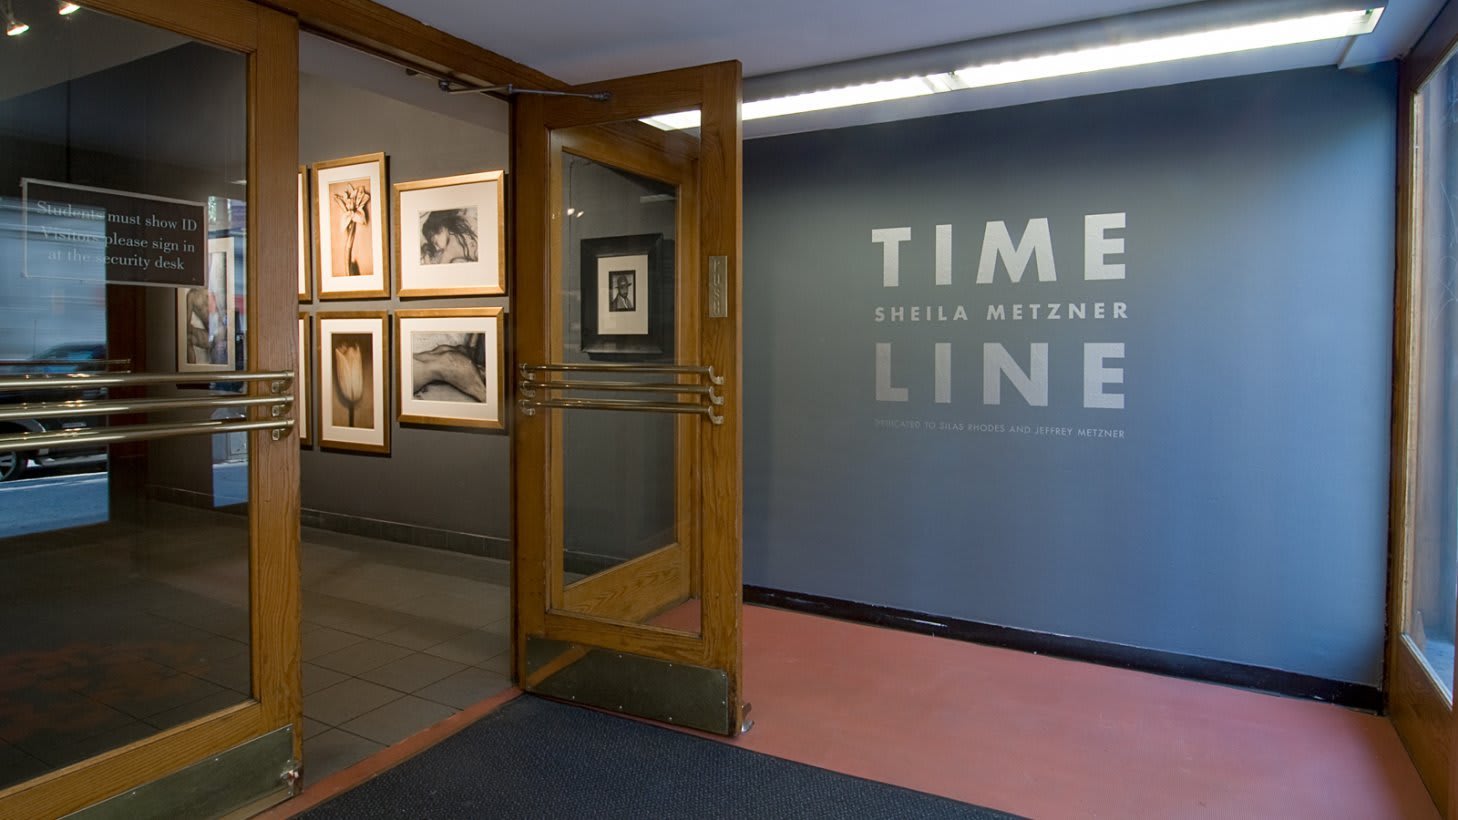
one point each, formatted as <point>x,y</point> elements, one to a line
<point>149,504</point>
<point>626,440</point>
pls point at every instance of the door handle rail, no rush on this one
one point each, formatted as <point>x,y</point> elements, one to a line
<point>278,380</point>
<point>587,367</point>
<point>529,387</point>
<point>82,407</point>
<point>530,406</point>
<point>93,436</point>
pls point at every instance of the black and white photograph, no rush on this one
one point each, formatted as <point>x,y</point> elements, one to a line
<point>622,293</point>
<point>349,215</point>
<point>205,315</point>
<point>353,394</point>
<point>450,237</point>
<point>449,369</point>
<point>627,297</point>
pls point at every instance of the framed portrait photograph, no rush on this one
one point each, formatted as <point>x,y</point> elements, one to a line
<point>349,214</point>
<point>353,390</point>
<point>627,297</point>
<point>306,279</point>
<point>450,236</point>
<point>205,315</point>
<point>450,367</point>
<point>303,385</point>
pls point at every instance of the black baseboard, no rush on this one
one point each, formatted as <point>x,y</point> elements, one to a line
<point>1276,681</point>
<point>483,546</point>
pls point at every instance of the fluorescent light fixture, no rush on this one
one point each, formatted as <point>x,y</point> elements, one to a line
<point>15,28</point>
<point>1178,47</point>
<point>1229,40</point>
<point>68,9</point>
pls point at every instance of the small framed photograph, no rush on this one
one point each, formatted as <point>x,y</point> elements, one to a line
<point>350,212</point>
<point>450,236</point>
<point>306,281</point>
<point>205,315</point>
<point>627,297</point>
<point>353,390</point>
<point>303,385</point>
<point>450,367</point>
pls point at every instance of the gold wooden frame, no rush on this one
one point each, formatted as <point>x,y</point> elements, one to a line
<point>499,177</point>
<point>383,389</point>
<point>498,315</point>
<point>381,202</point>
<point>304,408</point>
<point>306,222</point>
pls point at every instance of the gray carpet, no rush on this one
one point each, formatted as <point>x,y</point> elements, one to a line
<point>536,758</point>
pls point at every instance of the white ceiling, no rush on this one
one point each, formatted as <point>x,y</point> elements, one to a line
<point>579,42</point>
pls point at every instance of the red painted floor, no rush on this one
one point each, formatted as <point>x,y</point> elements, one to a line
<point>1036,736</point>
<point>1049,738</point>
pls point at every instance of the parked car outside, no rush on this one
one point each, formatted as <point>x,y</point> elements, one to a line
<point>65,358</point>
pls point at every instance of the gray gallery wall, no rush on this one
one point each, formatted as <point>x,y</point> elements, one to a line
<point>1233,508</point>
<point>436,478</point>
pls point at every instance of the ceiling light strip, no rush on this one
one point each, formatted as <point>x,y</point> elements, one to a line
<point>1307,29</point>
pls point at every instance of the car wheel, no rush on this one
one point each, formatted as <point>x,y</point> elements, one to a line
<point>12,465</point>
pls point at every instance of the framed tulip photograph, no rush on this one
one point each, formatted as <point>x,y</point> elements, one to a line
<point>353,382</point>
<point>450,236</point>
<point>350,211</point>
<point>449,367</point>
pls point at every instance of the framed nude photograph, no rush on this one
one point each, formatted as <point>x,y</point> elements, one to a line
<point>303,385</point>
<point>349,214</point>
<point>205,315</point>
<point>450,236</point>
<point>353,382</point>
<point>627,297</point>
<point>306,279</point>
<point>450,367</point>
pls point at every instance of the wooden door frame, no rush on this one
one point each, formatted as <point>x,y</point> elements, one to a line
<point>269,40</point>
<point>1419,710</point>
<point>715,88</point>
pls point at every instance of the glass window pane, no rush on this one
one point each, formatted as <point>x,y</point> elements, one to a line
<point>123,247</point>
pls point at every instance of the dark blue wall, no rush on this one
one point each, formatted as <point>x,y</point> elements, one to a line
<point>1242,514</point>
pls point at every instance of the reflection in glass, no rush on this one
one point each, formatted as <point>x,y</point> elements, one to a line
<point>1434,586</point>
<point>124,571</point>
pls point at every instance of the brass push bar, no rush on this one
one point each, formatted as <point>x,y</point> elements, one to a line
<point>528,386</point>
<point>88,381</point>
<point>529,407</point>
<point>584,367</point>
<point>94,436</point>
<point>82,407</point>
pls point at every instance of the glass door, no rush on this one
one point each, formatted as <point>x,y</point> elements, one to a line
<point>626,439</point>
<point>148,470</point>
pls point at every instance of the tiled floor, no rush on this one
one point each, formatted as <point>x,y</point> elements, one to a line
<point>396,638</point>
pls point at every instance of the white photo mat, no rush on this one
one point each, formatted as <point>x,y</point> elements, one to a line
<point>301,383</point>
<point>419,333</point>
<point>632,322</point>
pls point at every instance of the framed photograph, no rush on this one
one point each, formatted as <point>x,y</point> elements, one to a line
<point>450,236</point>
<point>349,216</point>
<point>627,297</point>
<point>450,367</point>
<point>303,385</point>
<point>205,315</point>
<point>306,281</point>
<point>353,390</point>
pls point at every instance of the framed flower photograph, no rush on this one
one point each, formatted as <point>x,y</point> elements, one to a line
<point>349,216</point>
<point>303,385</point>
<point>450,236</point>
<point>627,297</point>
<point>353,390</point>
<point>450,367</point>
<point>306,281</point>
<point>205,315</point>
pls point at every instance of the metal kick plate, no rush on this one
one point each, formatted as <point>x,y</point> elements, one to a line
<point>718,287</point>
<point>211,788</point>
<point>634,685</point>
